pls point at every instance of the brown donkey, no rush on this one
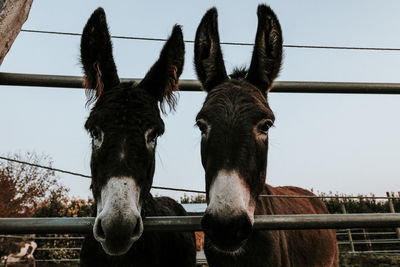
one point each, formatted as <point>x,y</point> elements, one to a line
<point>234,123</point>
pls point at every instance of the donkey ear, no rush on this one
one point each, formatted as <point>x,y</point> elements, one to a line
<point>162,79</point>
<point>267,53</point>
<point>96,55</point>
<point>208,58</point>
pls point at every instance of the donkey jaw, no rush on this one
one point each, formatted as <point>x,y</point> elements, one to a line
<point>118,223</point>
<point>231,251</point>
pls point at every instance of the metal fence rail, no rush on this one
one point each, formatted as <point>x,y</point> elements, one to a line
<point>386,252</point>
<point>371,241</point>
<point>192,223</point>
<point>365,234</point>
<point>18,79</point>
<point>329,196</point>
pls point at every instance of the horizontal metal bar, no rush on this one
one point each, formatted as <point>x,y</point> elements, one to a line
<point>327,221</point>
<point>59,260</point>
<point>42,80</point>
<point>43,237</point>
<point>51,249</point>
<point>367,233</point>
<point>325,197</point>
<point>372,241</point>
<point>81,238</point>
<point>192,223</point>
<point>352,229</point>
<point>372,252</point>
<point>45,225</point>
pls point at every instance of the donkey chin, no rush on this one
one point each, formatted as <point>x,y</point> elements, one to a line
<point>231,251</point>
<point>229,217</point>
<point>118,223</point>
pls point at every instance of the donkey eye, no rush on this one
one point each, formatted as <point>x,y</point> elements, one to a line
<point>152,136</point>
<point>94,133</point>
<point>265,126</point>
<point>202,126</point>
<point>97,137</point>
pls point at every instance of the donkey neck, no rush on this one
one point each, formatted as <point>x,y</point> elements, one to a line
<point>149,204</point>
<point>264,205</point>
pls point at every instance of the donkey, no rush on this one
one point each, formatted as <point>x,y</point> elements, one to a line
<point>124,124</point>
<point>234,123</point>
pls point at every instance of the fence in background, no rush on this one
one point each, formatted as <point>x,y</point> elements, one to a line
<point>357,222</point>
<point>193,223</point>
<point>39,80</point>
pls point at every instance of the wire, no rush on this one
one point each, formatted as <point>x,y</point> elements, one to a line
<point>45,167</point>
<point>190,190</point>
<point>87,176</point>
<point>112,36</point>
<point>178,189</point>
<point>224,43</point>
<point>344,47</point>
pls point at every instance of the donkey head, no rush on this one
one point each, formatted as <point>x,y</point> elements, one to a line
<point>234,123</point>
<point>124,124</point>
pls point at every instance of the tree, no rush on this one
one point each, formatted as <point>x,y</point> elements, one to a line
<point>64,207</point>
<point>23,187</point>
<point>199,198</point>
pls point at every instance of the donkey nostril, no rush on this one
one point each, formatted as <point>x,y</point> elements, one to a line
<point>226,233</point>
<point>208,223</point>
<point>243,233</point>
<point>244,228</point>
<point>205,223</point>
<point>99,230</point>
<point>138,227</point>
<point>210,233</point>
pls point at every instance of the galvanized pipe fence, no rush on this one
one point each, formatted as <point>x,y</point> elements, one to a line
<point>41,80</point>
<point>272,222</point>
<point>193,223</point>
<point>332,197</point>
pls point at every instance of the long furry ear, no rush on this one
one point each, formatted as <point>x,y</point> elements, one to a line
<point>208,60</point>
<point>96,56</point>
<point>267,54</point>
<point>163,77</point>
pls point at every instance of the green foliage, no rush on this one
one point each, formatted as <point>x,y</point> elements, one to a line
<point>361,204</point>
<point>62,207</point>
<point>57,206</point>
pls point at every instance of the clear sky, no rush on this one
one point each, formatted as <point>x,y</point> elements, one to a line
<point>339,143</point>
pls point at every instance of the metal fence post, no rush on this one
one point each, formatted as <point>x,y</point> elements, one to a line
<point>366,237</point>
<point>392,210</point>
<point>348,230</point>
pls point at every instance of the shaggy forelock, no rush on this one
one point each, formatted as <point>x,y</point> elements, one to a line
<point>239,73</point>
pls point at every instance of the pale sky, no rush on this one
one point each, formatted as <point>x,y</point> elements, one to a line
<point>332,142</point>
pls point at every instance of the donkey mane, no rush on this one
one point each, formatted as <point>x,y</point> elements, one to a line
<point>239,73</point>
<point>92,95</point>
